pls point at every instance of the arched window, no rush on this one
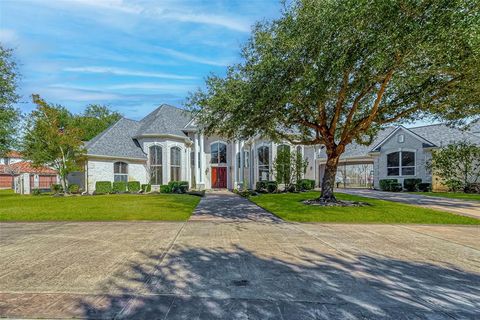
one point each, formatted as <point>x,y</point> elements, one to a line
<point>120,171</point>
<point>218,152</point>
<point>401,162</point>
<point>263,163</point>
<point>156,172</point>
<point>175,164</point>
<point>283,164</point>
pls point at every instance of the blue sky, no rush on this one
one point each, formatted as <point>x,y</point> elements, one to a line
<point>129,55</point>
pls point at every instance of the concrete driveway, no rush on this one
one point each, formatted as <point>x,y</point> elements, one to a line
<point>457,206</point>
<point>238,270</point>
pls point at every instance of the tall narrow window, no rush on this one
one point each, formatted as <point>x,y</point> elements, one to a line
<point>218,153</point>
<point>283,163</point>
<point>246,159</point>
<point>120,171</point>
<point>263,163</point>
<point>175,164</point>
<point>156,168</point>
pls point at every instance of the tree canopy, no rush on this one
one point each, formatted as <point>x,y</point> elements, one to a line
<point>9,115</point>
<point>335,72</point>
<point>94,120</point>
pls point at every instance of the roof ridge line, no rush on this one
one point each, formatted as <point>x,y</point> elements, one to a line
<point>100,135</point>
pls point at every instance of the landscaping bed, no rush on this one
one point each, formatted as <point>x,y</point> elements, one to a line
<point>14,207</point>
<point>290,206</point>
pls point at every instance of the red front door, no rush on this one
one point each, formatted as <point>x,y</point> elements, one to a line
<point>219,177</point>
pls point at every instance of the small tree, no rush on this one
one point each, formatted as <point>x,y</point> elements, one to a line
<point>458,164</point>
<point>289,167</point>
<point>51,140</point>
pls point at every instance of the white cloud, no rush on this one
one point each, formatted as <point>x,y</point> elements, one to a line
<point>76,94</point>
<point>212,19</point>
<point>151,86</point>
<point>172,11</point>
<point>127,72</point>
<point>191,57</point>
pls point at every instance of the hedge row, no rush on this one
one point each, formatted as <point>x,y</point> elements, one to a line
<point>411,185</point>
<point>104,187</point>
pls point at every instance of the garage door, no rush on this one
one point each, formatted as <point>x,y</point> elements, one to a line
<point>6,181</point>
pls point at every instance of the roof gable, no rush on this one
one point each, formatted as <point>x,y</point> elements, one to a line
<point>426,143</point>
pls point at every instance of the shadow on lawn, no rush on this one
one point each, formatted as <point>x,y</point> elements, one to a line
<point>238,284</point>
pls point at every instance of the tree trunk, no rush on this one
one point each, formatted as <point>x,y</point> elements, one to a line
<point>328,182</point>
<point>63,181</point>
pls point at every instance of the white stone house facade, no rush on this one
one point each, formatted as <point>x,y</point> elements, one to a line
<point>166,145</point>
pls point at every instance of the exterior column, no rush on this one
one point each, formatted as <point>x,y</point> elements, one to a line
<point>195,160</point>
<point>202,159</point>
<point>235,161</point>
<point>242,163</point>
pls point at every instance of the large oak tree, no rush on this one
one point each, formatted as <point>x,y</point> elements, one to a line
<point>335,72</point>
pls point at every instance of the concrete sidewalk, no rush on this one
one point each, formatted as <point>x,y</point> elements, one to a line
<point>457,206</point>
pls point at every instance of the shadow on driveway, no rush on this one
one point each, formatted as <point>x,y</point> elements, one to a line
<point>237,284</point>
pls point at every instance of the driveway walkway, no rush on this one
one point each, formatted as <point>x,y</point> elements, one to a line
<point>225,206</point>
<point>245,269</point>
<point>458,206</point>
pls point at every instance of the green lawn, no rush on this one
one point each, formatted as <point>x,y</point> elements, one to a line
<point>288,206</point>
<point>453,195</point>
<point>15,207</point>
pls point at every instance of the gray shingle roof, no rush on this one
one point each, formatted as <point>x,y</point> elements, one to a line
<point>165,119</point>
<point>117,141</point>
<point>439,134</point>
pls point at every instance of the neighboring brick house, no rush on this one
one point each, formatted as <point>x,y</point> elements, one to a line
<point>167,145</point>
<point>19,174</point>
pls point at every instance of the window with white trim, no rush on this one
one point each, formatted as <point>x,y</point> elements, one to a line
<point>120,171</point>
<point>401,163</point>
<point>175,164</point>
<point>218,151</point>
<point>263,163</point>
<point>156,165</point>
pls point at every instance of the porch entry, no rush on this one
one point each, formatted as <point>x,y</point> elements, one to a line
<point>219,177</point>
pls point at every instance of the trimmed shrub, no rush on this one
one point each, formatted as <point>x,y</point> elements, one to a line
<point>146,188</point>
<point>133,186</point>
<point>396,187</point>
<point>261,186</point>
<point>36,192</point>
<point>74,188</point>
<point>272,186</point>
<point>182,186</point>
<point>385,184</point>
<point>472,187</point>
<point>166,188</point>
<point>425,187</point>
<point>119,187</point>
<point>411,184</point>
<point>56,188</point>
<point>306,184</point>
<point>102,187</point>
